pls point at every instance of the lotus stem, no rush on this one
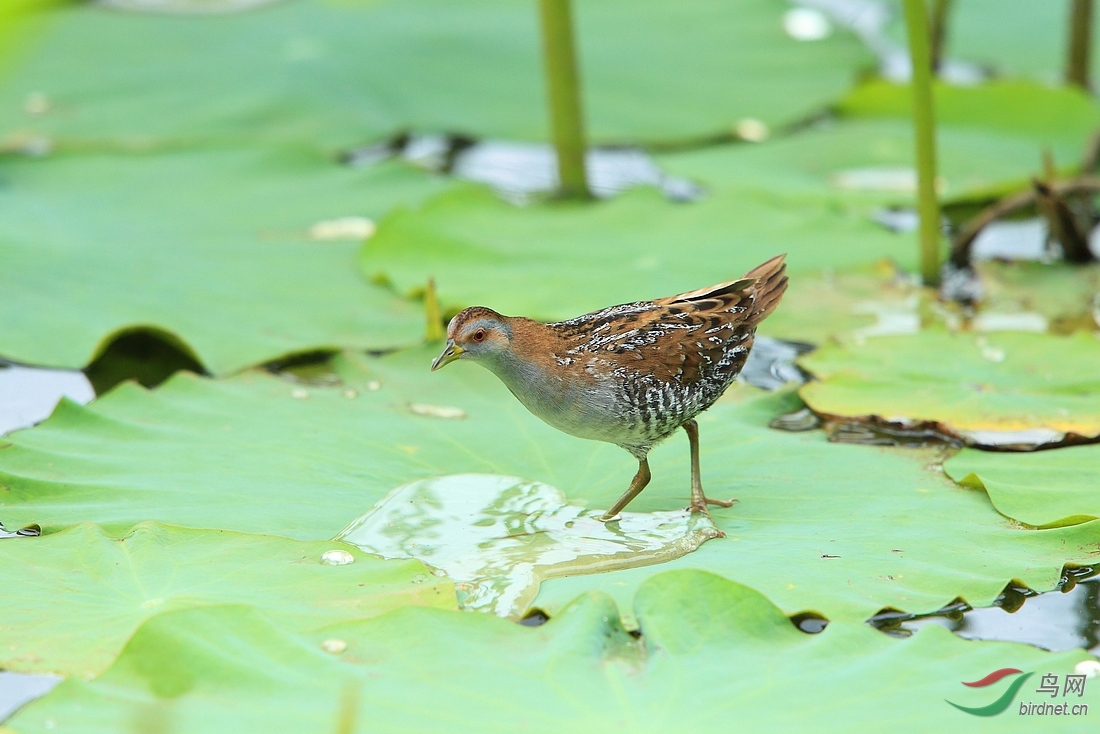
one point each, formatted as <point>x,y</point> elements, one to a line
<point>1080,42</point>
<point>940,11</point>
<point>916,20</point>
<point>564,90</point>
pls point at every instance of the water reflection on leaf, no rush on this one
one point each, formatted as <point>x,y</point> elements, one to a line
<point>499,537</point>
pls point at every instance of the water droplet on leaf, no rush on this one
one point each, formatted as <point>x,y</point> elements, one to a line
<point>337,558</point>
<point>334,646</point>
<point>344,228</point>
<point>445,412</point>
<point>806,24</point>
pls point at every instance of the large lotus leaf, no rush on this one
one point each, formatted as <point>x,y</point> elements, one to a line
<point>1040,488</point>
<point>714,655</point>
<point>976,386</point>
<point>246,454</point>
<point>564,259</point>
<point>259,454</point>
<point>73,598</point>
<point>210,246</point>
<point>860,161</point>
<point>326,457</point>
<point>338,73</point>
<point>1045,114</point>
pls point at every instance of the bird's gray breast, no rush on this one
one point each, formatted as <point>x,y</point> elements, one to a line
<point>591,409</point>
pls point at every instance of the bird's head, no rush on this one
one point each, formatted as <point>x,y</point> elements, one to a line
<point>478,333</point>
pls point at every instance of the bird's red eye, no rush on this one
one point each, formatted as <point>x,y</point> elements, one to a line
<point>479,335</point>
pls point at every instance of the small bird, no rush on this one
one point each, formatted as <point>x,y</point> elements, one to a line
<point>630,374</point>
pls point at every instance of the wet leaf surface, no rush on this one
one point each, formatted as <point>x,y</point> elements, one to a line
<point>212,247</point>
<point>499,537</point>
<point>1040,488</point>
<point>72,599</point>
<point>989,389</point>
<point>232,670</point>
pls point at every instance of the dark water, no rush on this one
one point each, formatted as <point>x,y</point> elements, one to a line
<point>1063,619</point>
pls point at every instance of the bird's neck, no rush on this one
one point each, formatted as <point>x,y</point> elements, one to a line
<point>522,368</point>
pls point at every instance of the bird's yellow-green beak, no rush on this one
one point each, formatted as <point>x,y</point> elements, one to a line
<point>450,353</point>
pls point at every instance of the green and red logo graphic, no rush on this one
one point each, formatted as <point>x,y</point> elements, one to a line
<point>1001,703</point>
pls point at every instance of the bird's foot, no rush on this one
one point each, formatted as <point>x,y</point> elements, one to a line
<point>700,504</point>
<point>702,508</point>
<point>699,507</point>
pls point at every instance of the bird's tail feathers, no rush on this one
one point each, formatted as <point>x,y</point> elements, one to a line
<point>771,284</point>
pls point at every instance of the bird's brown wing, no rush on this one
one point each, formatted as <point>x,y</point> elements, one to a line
<point>683,338</point>
<point>766,283</point>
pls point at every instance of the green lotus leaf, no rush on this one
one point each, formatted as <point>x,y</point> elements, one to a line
<point>845,530</point>
<point>809,195</point>
<point>839,159</point>
<point>1042,488</point>
<point>1038,111</point>
<point>983,388</point>
<point>561,260</point>
<point>72,599</point>
<point>714,655</point>
<point>338,74</point>
<point>211,246</point>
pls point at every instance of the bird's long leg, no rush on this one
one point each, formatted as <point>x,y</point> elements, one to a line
<point>699,501</point>
<point>637,484</point>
